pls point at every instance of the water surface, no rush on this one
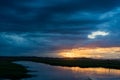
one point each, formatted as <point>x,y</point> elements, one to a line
<point>48,72</point>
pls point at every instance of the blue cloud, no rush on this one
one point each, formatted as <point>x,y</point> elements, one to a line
<point>28,27</point>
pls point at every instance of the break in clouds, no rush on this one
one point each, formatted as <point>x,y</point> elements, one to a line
<point>41,27</point>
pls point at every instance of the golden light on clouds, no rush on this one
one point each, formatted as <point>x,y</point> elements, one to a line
<point>112,52</point>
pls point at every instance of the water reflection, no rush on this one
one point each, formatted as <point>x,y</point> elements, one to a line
<point>47,72</point>
<point>98,73</point>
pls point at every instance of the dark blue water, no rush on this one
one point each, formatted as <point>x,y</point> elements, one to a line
<point>48,72</point>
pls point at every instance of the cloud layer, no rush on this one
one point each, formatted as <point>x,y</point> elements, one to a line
<point>41,27</point>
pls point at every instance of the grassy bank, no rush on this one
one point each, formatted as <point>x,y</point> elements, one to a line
<point>9,70</point>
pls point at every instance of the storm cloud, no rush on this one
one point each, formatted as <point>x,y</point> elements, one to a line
<point>41,27</point>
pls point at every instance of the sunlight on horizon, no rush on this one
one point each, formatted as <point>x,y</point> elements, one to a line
<point>105,53</point>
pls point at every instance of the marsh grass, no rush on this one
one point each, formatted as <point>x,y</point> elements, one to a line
<point>9,70</point>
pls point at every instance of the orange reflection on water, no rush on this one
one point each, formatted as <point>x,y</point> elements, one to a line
<point>111,52</point>
<point>93,71</point>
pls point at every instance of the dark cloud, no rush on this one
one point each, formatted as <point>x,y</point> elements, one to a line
<point>19,16</point>
<point>34,26</point>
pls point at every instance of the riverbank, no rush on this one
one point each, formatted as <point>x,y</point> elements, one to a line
<point>12,71</point>
<point>69,62</point>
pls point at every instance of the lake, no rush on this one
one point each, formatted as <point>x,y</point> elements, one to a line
<point>48,72</point>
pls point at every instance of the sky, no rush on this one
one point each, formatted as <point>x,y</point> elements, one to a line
<point>47,27</point>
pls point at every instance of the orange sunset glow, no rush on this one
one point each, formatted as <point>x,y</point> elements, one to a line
<point>112,52</point>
